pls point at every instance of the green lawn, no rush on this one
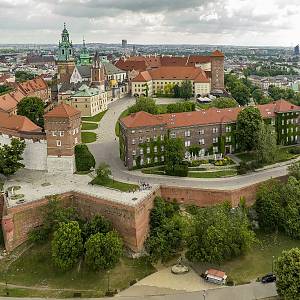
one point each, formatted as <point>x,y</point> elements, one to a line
<point>97,118</point>
<point>283,154</point>
<point>35,269</point>
<point>216,174</point>
<point>258,261</point>
<point>89,126</point>
<point>114,184</point>
<point>88,137</point>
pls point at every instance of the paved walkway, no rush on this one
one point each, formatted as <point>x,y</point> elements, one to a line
<point>107,149</point>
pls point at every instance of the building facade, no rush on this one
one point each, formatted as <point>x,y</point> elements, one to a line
<point>142,135</point>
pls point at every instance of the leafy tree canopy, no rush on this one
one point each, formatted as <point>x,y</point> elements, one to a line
<point>247,126</point>
<point>224,102</point>
<point>33,109</point>
<point>174,152</point>
<point>144,104</point>
<point>287,268</point>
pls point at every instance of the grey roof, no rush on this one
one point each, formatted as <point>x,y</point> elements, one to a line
<point>67,86</point>
<point>84,71</point>
<point>111,69</point>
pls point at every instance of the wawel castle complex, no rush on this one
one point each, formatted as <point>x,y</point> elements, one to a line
<point>213,130</point>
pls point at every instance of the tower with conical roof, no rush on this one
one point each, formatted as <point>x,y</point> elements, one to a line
<point>65,59</point>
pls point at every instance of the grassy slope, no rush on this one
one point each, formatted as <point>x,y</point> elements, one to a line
<point>89,126</point>
<point>97,118</point>
<point>35,269</point>
<point>114,184</point>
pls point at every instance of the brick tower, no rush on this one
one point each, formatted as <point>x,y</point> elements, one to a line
<point>97,73</point>
<point>217,70</point>
<point>62,126</point>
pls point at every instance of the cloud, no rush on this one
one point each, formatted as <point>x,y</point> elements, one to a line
<point>157,21</point>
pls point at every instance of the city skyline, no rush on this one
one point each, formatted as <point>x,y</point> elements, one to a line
<point>229,22</point>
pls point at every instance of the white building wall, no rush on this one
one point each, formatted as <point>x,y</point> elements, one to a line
<point>35,153</point>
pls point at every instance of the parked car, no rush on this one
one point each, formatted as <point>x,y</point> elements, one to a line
<point>268,278</point>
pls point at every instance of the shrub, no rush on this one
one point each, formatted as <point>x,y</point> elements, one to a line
<point>84,159</point>
<point>38,235</point>
<point>294,150</point>
<point>178,170</point>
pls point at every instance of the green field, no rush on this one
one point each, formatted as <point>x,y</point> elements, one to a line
<point>35,269</point>
<point>89,126</point>
<point>97,118</point>
<point>88,137</point>
<point>114,184</point>
<point>258,261</point>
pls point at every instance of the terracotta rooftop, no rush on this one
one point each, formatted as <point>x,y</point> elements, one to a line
<point>62,110</point>
<point>217,53</point>
<point>173,73</point>
<point>31,86</point>
<point>216,273</point>
<point>203,117</point>
<point>18,123</point>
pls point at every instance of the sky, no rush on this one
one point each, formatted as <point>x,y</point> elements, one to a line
<point>216,22</point>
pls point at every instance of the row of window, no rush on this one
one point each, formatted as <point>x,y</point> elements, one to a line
<point>148,160</point>
<point>148,150</point>
<point>147,130</point>
<point>289,130</point>
<point>202,141</point>
<point>141,140</point>
<point>59,143</point>
<point>187,133</point>
<point>289,121</point>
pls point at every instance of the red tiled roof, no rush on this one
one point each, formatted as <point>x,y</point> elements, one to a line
<point>31,86</point>
<point>173,73</point>
<point>216,273</point>
<point>18,123</point>
<point>204,117</point>
<point>62,110</point>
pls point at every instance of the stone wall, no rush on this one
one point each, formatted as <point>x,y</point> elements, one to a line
<point>130,221</point>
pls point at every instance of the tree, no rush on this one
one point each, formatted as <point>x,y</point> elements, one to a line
<point>84,159</point>
<point>176,91</point>
<point>103,251</point>
<point>266,146</point>
<point>98,224</point>
<point>186,89</point>
<point>224,102</point>
<point>218,234</point>
<point>33,109</point>
<point>294,170</point>
<point>268,205</point>
<point>144,104</point>
<point>66,245</point>
<point>5,89</point>
<point>168,89</point>
<point>22,76</point>
<point>146,89</point>
<point>181,107</point>
<point>287,269</point>
<point>174,152</point>
<point>241,93</point>
<point>247,125</point>
<point>258,95</point>
<point>103,171</point>
<point>11,157</point>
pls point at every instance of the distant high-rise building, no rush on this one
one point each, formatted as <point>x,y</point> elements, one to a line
<point>297,50</point>
<point>124,46</point>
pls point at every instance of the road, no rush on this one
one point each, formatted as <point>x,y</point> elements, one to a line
<point>106,149</point>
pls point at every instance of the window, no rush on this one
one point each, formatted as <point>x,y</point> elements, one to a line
<point>173,135</point>
<point>215,149</point>
<point>162,137</point>
<point>187,143</point>
<point>162,158</point>
<point>215,140</point>
<point>282,131</point>
<point>148,160</point>
<point>74,131</point>
<point>58,143</point>
<point>133,152</point>
<point>187,133</point>
<point>148,140</point>
<point>133,142</point>
<point>140,140</point>
<point>201,142</point>
<point>155,149</point>
<point>228,139</point>
<point>76,141</point>
<point>132,131</point>
<point>282,122</point>
<point>228,129</point>
<point>155,138</point>
<point>215,129</point>
<point>155,159</point>
<point>54,133</point>
<point>142,161</point>
<point>272,121</point>
<point>162,148</point>
<point>148,150</point>
<point>61,133</point>
<point>201,131</point>
<point>141,151</point>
